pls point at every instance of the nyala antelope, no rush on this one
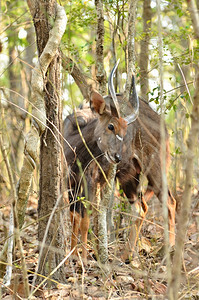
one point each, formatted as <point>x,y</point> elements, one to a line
<point>131,142</point>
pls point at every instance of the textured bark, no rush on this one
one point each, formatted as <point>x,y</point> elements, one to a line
<point>39,119</point>
<point>144,49</point>
<point>104,194</point>
<point>52,251</point>
<point>102,217</point>
<point>51,179</point>
<point>130,52</point>
<point>48,40</point>
<point>100,72</point>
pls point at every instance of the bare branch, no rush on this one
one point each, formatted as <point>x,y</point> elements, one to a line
<point>69,65</point>
<point>17,233</point>
<point>9,246</point>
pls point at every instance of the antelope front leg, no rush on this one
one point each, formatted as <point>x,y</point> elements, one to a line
<point>84,226</point>
<point>75,221</point>
<point>171,214</point>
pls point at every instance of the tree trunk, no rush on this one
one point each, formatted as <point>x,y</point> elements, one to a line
<point>100,72</point>
<point>144,49</point>
<point>130,53</point>
<point>104,194</point>
<point>51,177</point>
<point>50,207</point>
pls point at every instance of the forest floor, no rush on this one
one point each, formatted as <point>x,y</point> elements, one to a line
<point>144,278</point>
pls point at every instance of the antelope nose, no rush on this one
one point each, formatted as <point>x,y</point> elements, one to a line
<point>117,158</point>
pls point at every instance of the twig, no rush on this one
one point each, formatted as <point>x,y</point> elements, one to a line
<point>83,273</point>
<point>186,199</point>
<point>163,148</point>
<point>77,75</point>
<point>11,292</point>
<point>17,232</point>
<point>45,237</point>
<point>185,82</point>
<point>10,242</point>
<point>46,278</point>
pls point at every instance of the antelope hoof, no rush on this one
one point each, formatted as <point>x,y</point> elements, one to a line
<point>126,257</point>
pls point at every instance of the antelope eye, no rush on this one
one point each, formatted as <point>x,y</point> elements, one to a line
<point>111,127</point>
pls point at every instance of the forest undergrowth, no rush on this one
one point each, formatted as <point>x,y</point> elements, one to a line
<point>144,277</point>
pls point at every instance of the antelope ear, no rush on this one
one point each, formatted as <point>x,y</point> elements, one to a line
<point>97,102</point>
